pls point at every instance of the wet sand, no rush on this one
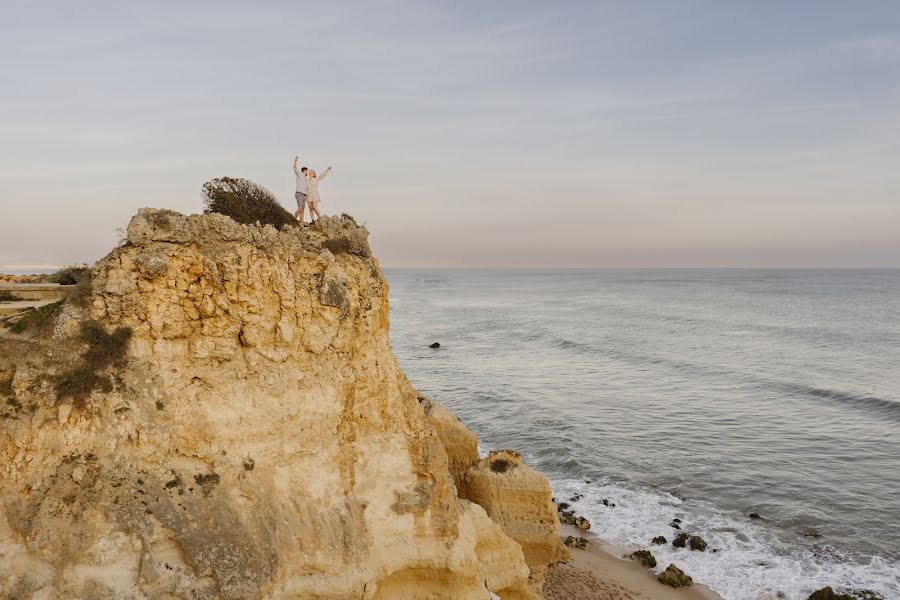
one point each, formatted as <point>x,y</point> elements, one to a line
<point>599,573</point>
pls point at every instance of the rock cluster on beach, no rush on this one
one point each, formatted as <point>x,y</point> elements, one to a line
<point>580,543</point>
<point>258,440</point>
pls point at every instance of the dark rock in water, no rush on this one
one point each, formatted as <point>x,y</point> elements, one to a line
<point>587,480</point>
<point>644,557</point>
<point>567,517</point>
<point>698,543</point>
<point>659,540</point>
<point>868,595</point>
<point>755,517</point>
<point>577,542</point>
<point>606,502</point>
<point>826,593</point>
<point>562,506</point>
<point>675,577</point>
<point>810,534</point>
<point>435,345</point>
<point>675,525</point>
<point>681,540</point>
<point>676,520</point>
<point>582,523</point>
<point>576,498</point>
<point>714,550</point>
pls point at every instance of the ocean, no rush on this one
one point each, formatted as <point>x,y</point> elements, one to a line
<point>703,395</point>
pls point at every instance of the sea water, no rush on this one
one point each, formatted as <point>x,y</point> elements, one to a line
<point>703,395</point>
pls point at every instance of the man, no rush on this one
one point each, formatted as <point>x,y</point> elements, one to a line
<point>302,191</point>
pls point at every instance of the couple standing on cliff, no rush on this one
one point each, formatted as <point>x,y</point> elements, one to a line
<point>307,192</point>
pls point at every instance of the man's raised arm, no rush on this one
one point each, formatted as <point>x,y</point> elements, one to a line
<point>296,171</point>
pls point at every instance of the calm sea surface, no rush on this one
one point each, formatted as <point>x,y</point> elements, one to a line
<point>699,394</point>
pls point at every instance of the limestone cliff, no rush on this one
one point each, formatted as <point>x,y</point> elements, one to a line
<point>257,439</point>
<point>520,500</point>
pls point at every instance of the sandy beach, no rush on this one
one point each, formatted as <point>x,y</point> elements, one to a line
<point>599,573</point>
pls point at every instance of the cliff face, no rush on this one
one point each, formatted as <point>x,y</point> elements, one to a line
<point>258,441</point>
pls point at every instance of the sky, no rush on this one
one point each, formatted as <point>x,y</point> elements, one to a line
<point>467,133</point>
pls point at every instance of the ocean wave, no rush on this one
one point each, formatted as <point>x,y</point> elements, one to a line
<point>752,563</point>
<point>887,407</point>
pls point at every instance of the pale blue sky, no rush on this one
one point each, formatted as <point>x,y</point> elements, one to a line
<point>688,133</point>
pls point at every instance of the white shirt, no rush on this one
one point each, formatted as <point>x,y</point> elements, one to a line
<point>302,183</point>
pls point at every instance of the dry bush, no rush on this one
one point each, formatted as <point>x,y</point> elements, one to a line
<point>70,275</point>
<point>245,202</point>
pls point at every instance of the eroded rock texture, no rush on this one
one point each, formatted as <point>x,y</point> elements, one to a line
<point>260,441</point>
<point>520,500</point>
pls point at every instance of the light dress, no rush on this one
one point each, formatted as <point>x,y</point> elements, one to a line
<point>314,186</point>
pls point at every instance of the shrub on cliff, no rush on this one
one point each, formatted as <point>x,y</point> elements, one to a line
<point>70,275</point>
<point>103,350</point>
<point>39,320</point>
<point>245,202</point>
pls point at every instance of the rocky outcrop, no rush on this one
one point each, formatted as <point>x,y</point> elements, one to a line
<point>258,440</point>
<point>520,500</point>
<point>460,443</point>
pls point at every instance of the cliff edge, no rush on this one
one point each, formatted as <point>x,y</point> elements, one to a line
<point>222,417</point>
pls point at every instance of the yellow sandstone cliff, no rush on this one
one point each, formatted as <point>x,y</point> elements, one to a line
<point>258,440</point>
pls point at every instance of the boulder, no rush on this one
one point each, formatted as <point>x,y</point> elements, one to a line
<point>826,593</point>
<point>755,516</point>
<point>681,540</point>
<point>659,540</point>
<point>697,543</point>
<point>675,524</point>
<point>675,577</point>
<point>582,523</point>
<point>644,557</point>
<point>435,345</point>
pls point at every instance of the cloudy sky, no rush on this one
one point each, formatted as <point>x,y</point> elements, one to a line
<point>653,133</point>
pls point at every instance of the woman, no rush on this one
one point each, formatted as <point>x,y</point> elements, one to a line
<point>313,197</point>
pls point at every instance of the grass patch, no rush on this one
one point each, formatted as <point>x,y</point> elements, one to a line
<point>104,350</point>
<point>8,297</point>
<point>40,319</point>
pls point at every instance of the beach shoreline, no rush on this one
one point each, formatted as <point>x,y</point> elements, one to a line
<point>601,573</point>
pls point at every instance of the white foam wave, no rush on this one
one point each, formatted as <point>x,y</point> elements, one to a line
<point>752,563</point>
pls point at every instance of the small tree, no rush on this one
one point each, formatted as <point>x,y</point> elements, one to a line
<point>245,202</point>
